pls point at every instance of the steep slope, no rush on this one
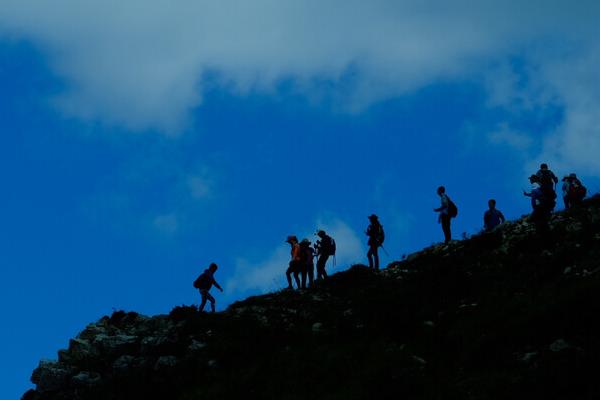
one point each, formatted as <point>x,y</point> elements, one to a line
<point>500,315</point>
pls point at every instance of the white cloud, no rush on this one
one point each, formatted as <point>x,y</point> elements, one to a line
<point>140,64</point>
<point>269,274</point>
<point>349,247</point>
<point>517,140</point>
<point>200,186</point>
<point>167,223</point>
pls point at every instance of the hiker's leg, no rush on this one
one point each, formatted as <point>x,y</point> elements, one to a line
<point>376,257</point>
<point>320,267</point>
<point>303,272</point>
<point>370,256</point>
<point>311,274</point>
<point>446,228</point>
<point>297,279</point>
<point>288,275</point>
<point>203,293</point>
<point>324,272</point>
<point>212,301</point>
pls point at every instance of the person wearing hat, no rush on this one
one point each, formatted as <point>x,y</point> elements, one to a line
<point>547,181</point>
<point>573,191</point>
<point>325,247</point>
<point>204,283</point>
<point>539,203</point>
<point>376,237</point>
<point>295,264</point>
<point>307,254</point>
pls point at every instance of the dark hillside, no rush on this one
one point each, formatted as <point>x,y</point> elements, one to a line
<point>498,316</point>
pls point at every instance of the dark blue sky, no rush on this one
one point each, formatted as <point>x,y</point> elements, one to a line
<point>116,199</point>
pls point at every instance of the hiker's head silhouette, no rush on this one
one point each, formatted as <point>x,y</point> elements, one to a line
<point>544,166</point>
<point>213,267</point>
<point>373,217</point>
<point>441,190</point>
<point>321,233</point>
<point>492,203</point>
<point>534,179</point>
<point>291,239</point>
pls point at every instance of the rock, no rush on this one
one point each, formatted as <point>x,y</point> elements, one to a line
<point>51,375</point>
<point>122,365</point>
<point>117,344</point>
<point>212,363</point>
<point>91,331</point>
<point>317,327</point>
<point>560,345</point>
<point>196,346</point>
<point>348,313</point>
<point>528,357</point>
<point>568,270</point>
<point>153,345</point>
<point>86,379</point>
<point>165,362</point>
<point>429,324</point>
<point>80,350</point>
<point>419,360</point>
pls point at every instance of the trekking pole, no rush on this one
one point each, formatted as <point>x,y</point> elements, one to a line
<point>385,251</point>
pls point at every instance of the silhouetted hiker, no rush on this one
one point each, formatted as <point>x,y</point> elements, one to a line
<point>325,247</point>
<point>204,282</point>
<point>541,204</point>
<point>295,266</point>
<point>447,210</point>
<point>376,237</point>
<point>492,217</point>
<point>573,191</point>
<point>547,180</point>
<point>307,254</point>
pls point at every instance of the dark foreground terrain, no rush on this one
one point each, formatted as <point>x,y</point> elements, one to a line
<point>503,315</point>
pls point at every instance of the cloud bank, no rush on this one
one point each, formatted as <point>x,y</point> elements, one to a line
<point>141,64</point>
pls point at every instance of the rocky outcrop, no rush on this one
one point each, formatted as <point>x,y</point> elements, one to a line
<point>500,315</point>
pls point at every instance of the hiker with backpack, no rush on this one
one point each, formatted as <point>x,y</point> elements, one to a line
<point>204,283</point>
<point>547,180</point>
<point>542,204</point>
<point>573,191</point>
<point>376,237</point>
<point>324,248</point>
<point>295,265</point>
<point>307,253</point>
<point>492,217</point>
<point>447,210</point>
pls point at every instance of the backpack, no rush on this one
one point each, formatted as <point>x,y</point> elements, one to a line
<point>380,235</point>
<point>328,246</point>
<point>546,180</point>
<point>201,281</point>
<point>452,209</point>
<point>578,192</point>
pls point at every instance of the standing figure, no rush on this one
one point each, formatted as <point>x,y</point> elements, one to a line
<point>307,254</point>
<point>492,217</point>
<point>376,237</point>
<point>295,265</point>
<point>573,191</point>
<point>447,211</point>
<point>204,283</point>
<point>325,247</point>
<point>547,180</point>
<point>566,189</point>
<point>541,204</point>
